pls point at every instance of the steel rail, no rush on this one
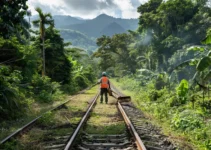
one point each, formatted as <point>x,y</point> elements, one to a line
<point>70,142</point>
<point>130,126</point>
<point>139,143</point>
<point>18,131</point>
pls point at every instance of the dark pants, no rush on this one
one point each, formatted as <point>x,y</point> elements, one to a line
<point>104,91</point>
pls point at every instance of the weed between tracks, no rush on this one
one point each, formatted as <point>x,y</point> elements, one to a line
<point>105,119</point>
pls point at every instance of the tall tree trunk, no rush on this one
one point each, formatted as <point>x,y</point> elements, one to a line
<point>43,52</point>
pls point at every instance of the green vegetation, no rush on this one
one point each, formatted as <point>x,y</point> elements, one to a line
<point>54,124</point>
<point>37,70</point>
<point>165,66</point>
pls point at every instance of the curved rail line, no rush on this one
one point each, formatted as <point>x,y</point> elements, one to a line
<point>70,142</point>
<point>17,132</point>
<point>140,145</point>
<point>150,135</point>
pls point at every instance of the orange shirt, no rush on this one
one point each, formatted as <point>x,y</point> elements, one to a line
<point>104,82</point>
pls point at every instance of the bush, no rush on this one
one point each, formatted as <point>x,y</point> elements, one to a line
<point>81,81</point>
<point>44,89</point>
<point>173,101</point>
<point>70,88</point>
<point>12,97</point>
<point>187,120</point>
<point>206,105</point>
<point>46,119</point>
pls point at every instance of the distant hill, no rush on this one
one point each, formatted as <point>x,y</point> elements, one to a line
<point>111,29</point>
<point>78,39</point>
<point>94,27</point>
<point>83,33</point>
<point>61,20</point>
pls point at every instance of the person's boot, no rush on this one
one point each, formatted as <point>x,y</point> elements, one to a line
<point>106,100</point>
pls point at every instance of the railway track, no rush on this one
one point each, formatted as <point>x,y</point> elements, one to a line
<point>54,134</point>
<point>150,135</point>
<point>142,135</point>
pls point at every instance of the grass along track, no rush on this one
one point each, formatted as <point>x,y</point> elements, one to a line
<point>104,130</point>
<point>54,127</point>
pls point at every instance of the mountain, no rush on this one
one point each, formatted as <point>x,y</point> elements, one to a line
<point>61,20</point>
<point>78,39</point>
<point>94,27</point>
<point>82,33</point>
<point>113,28</point>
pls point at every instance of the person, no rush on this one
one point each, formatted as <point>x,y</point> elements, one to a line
<point>104,85</point>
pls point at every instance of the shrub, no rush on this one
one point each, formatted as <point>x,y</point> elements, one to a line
<point>206,105</point>
<point>187,120</point>
<point>81,81</point>
<point>173,101</point>
<point>44,89</point>
<point>182,91</point>
<point>12,97</point>
<point>46,119</point>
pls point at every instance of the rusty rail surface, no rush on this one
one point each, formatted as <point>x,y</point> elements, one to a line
<point>73,137</point>
<point>18,131</point>
<point>139,143</point>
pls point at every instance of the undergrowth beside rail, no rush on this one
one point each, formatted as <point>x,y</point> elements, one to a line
<point>189,127</point>
<point>54,124</point>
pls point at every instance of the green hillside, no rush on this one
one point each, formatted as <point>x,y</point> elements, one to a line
<point>113,28</point>
<point>94,27</point>
<point>78,39</point>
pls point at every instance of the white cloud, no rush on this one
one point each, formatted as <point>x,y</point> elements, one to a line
<point>88,8</point>
<point>143,1</point>
<point>127,9</point>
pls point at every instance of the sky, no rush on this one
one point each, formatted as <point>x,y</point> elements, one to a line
<point>88,9</point>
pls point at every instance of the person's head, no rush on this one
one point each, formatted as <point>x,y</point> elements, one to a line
<point>104,74</point>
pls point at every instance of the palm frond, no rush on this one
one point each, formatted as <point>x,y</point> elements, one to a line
<point>48,15</point>
<point>184,64</point>
<point>36,23</point>
<point>39,10</point>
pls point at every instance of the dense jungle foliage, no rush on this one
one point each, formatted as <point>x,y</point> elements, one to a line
<point>36,66</point>
<point>166,64</point>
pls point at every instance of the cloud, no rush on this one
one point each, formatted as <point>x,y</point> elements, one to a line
<point>54,7</point>
<point>88,8</point>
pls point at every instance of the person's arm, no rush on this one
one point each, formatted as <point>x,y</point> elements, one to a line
<point>109,84</point>
<point>99,81</point>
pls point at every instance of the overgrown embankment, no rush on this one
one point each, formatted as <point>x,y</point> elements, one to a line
<point>54,125</point>
<point>188,126</point>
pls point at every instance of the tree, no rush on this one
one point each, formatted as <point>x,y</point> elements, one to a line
<point>58,67</point>
<point>11,17</point>
<point>115,51</point>
<point>44,19</point>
